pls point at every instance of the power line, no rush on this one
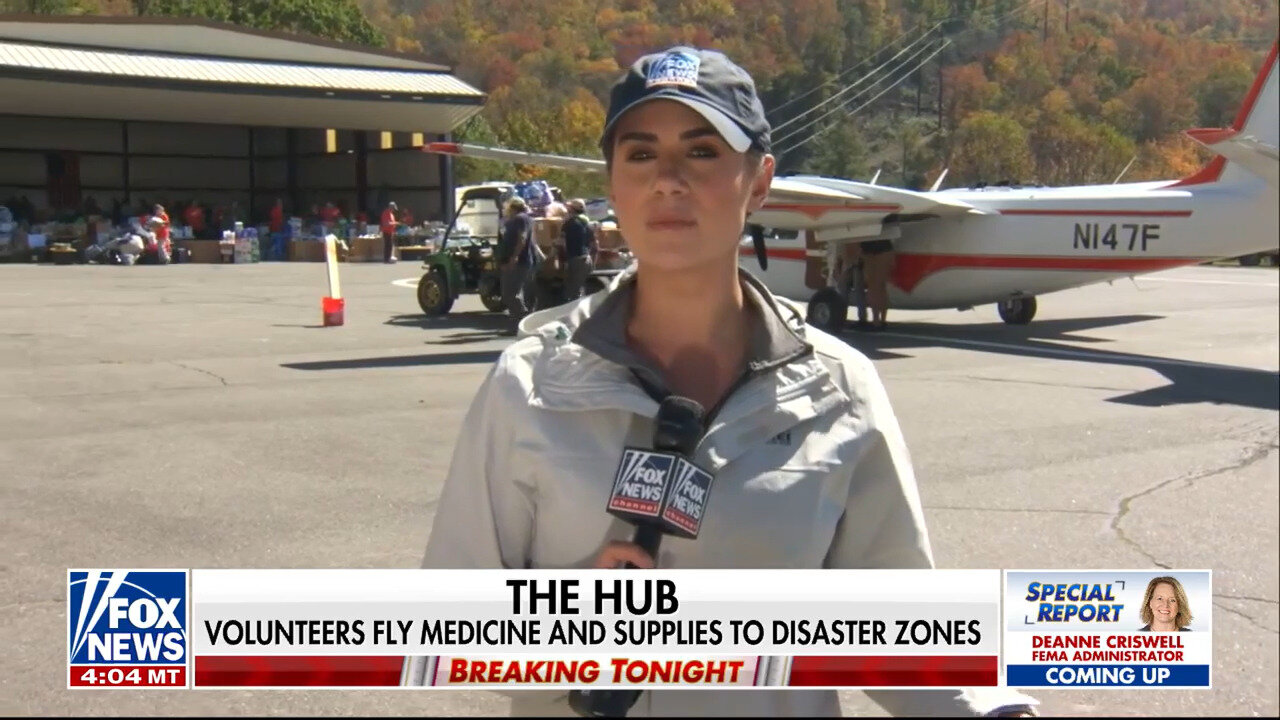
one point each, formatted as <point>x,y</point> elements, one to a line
<point>854,67</point>
<point>1025,5</point>
<point>855,83</point>
<point>873,99</point>
<point>844,104</point>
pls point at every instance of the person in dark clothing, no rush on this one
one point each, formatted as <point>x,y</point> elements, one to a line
<point>579,249</point>
<point>516,255</point>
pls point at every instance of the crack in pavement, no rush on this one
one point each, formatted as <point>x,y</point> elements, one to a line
<point>21,603</point>
<point>1252,620</point>
<point>1254,455</point>
<point>218,377</point>
<point>1071,386</point>
<point>1269,601</point>
<point>1035,510</point>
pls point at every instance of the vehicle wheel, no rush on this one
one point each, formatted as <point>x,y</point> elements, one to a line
<point>1017,311</point>
<point>1253,260</point>
<point>490,289</point>
<point>433,294</point>
<point>828,310</point>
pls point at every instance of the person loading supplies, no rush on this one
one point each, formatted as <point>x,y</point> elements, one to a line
<point>580,249</point>
<point>686,146</point>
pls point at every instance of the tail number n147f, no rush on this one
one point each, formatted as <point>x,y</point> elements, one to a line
<point>1093,236</point>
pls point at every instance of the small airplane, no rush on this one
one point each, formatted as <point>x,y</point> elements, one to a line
<point>959,248</point>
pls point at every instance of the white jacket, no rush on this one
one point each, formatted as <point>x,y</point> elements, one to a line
<point>811,472</point>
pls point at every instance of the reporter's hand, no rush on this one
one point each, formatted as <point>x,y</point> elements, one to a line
<point>618,552</point>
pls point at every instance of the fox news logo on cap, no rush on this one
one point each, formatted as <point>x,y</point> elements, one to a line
<point>674,68</point>
<point>127,628</point>
<point>641,482</point>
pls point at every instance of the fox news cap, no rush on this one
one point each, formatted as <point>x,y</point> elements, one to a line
<point>705,81</point>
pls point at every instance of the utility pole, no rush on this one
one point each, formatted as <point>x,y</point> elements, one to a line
<point>941,59</point>
<point>1046,20</point>
<point>919,88</point>
<point>1068,19</point>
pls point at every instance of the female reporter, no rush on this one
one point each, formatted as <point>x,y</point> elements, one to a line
<point>811,468</point>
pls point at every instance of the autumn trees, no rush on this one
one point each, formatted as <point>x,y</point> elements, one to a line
<point>1045,91</point>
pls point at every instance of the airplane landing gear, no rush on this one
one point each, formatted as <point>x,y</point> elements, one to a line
<point>1017,311</point>
<point>828,310</point>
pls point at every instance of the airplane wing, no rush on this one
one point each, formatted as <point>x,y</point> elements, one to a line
<point>836,209</point>
<point>845,209</point>
<point>564,162</point>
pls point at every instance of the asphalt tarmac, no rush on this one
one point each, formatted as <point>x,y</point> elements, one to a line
<point>199,416</point>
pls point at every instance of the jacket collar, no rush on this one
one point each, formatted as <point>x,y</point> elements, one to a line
<point>585,364</point>
<point>773,341</point>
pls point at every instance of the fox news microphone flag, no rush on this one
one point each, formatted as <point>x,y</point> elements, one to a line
<point>673,496</point>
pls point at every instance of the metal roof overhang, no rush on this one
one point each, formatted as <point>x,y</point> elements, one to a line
<point>62,81</point>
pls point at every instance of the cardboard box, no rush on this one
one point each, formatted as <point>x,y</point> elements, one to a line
<point>365,249</point>
<point>306,251</point>
<point>414,252</point>
<point>202,251</point>
<point>610,239</point>
<point>546,232</point>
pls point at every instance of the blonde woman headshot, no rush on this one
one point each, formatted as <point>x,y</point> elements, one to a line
<point>1165,607</point>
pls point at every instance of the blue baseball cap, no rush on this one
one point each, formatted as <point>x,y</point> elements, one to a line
<point>704,80</point>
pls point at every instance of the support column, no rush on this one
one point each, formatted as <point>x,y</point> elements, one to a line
<point>253,183</point>
<point>291,171</point>
<point>446,181</point>
<point>362,172</point>
<point>124,148</point>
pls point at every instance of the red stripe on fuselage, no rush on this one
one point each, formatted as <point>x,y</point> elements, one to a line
<point>817,211</point>
<point>1057,212</point>
<point>778,253</point>
<point>1101,213</point>
<point>911,268</point>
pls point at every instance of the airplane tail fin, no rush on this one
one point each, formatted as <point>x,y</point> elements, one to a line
<point>1249,146</point>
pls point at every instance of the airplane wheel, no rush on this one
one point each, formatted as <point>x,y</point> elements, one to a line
<point>828,310</point>
<point>1017,311</point>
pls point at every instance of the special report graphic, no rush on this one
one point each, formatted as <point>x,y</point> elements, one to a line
<point>1108,628</point>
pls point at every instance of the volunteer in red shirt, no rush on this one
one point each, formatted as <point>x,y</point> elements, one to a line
<point>160,226</point>
<point>194,217</point>
<point>330,214</point>
<point>276,217</point>
<point>389,233</point>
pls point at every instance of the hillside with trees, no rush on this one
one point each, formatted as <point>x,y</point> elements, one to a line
<point>1027,91</point>
<point>1044,91</point>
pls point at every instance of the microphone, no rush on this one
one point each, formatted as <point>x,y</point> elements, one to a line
<point>643,482</point>
<point>660,491</point>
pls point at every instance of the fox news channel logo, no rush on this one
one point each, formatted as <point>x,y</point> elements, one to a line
<point>127,628</point>
<point>1108,628</point>
<point>641,482</point>
<point>688,499</point>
